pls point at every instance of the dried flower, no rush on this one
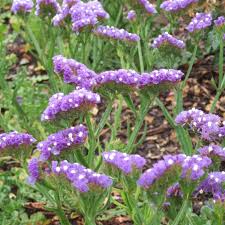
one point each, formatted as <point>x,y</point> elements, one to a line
<point>116,34</point>
<point>63,140</point>
<point>200,22</point>
<point>47,7</point>
<point>19,6</point>
<point>14,140</point>
<point>33,170</point>
<point>124,162</point>
<point>61,105</point>
<point>174,5</point>
<point>74,72</point>
<point>81,178</point>
<point>167,39</point>
<point>213,151</point>
<point>131,15</point>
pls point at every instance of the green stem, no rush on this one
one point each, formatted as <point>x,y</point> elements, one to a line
<point>140,57</point>
<point>221,61</point>
<point>62,217</point>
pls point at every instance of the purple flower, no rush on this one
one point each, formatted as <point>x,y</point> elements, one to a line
<point>200,22</point>
<point>47,7</point>
<point>220,21</point>
<point>87,14</point>
<point>124,162</point>
<point>131,15</point>
<point>224,37</point>
<point>61,105</point>
<point>74,72</point>
<point>116,34</point>
<point>159,169</point>
<point>208,125</point>
<point>81,178</point>
<point>15,140</point>
<point>176,5</point>
<point>63,140</point>
<point>213,151</point>
<point>174,191</point>
<point>22,6</point>
<point>193,167</point>
<point>159,77</point>
<point>128,78</point>
<point>33,170</point>
<point>167,38</point>
<point>148,6</point>
<point>213,184</point>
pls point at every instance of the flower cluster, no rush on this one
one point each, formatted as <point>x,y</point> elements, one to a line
<point>81,178</point>
<point>121,76</point>
<point>148,6</point>
<point>213,151</point>
<point>131,15</point>
<point>124,162</point>
<point>47,7</point>
<point>200,22</point>
<point>174,191</point>
<point>61,141</point>
<point>74,72</point>
<point>220,21</point>
<point>22,6</point>
<point>150,176</point>
<point>213,184</point>
<point>167,38</point>
<point>87,14</point>
<point>174,5</point>
<point>76,101</point>
<point>159,77</point>
<point>33,170</point>
<point>115,33</point>
<point>193,166</point>
<point>208,125</point>
<point>15,140</point>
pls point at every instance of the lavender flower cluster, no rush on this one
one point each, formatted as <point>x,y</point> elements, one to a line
<point>192,168</point>
<point>63,140</point>
<point>167,38</point>
<point>76,101</point>
<point>208,125</point>
<point>47,7</point>
<point>200,22</point>
<point>174,191</point>
<point>115,33</point>
<point>22,6</point>
<point>74,72</point>
<point>131,15</point>
<point>213,151</point>
<point>148,6</point>
<point>15,140</point>
<point>174,5</point>
<point>124,162</point>
<point>33,171</point>
<point>220,21</point>
<point>81,178</point>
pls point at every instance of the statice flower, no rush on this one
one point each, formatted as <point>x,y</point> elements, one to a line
<point>128,78</point>
<point>22,6</point>
<point>124,162</point>
<point>220,21</point>
<point>200,22</point>
<point>61,105</point>
<point>167,39</point>
<point>176,5</point>
<point>174,191</point>
<point>33,171</point>
<point>81,178</point>
<point>70,3</point>
<point>87,14</point>
<point>61,141</point>
<point>148,6</point>
<point>213,184</point>
<point>160,169</point>
<point>193,166</point>
<point>14,140</point>
<point>115,33</point>
<point>74,72</point>
<point>131,15</point>
<point>213,151</point>
<point>47,7</point>
<point>208,125</point>
<point>160,76</point>
<point>61,16</point>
